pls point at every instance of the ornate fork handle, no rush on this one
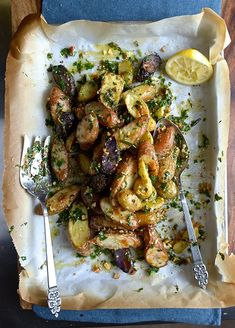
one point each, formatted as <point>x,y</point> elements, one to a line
<point>53,298</point>
<point>199,268</point>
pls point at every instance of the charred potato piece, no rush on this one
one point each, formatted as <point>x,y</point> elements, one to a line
<point>124,260</point>
<point>88,91</point>
<point>106,116</point>
<point>164,141</point>
<point>125,70</point>
<point>155,253</point>
<point>125,175</point>
<point>78,226</point>
<point>87,131</point>
<point>129,200</point>
<point>62,199</point>
<point>58,104</point>
<point>167,166</point>
<point>64,79</point>
<point>131,134</point>
<point>149,65</point>
<point>116,240</point>
<point>59,159</point>
<point>116,213</point>
<point>111,90</point>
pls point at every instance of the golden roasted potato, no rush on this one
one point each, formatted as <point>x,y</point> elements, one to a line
<point>143,188</point>
<point>58,103</point>
<point>125,70</point>
<point>84,163</point>
<point>147,154</point>
<point>78,226</point>
<point>145,91</point>
<point>167,166</point>
<point>88,91</point>
<point>116,213</point>
<point>99,222</point>
<point>155,253</point>
<point>125,175</point>
<point>167,190</point>
<point>147,218</point>
<point>129,200</point>
<point>111,90</point>
<point>87,131</point>
<point>62,199</point>
<point>152,124</point>
<point>154,205</point>
<point>136,106</point>
<point>130,134</point>
<point>106,116</point>
<point>147,137</point>
<point>116,240</point>
<point>59,159</point>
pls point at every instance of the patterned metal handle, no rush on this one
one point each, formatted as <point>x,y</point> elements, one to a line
<point>199,268</point>
<point>53,298</point>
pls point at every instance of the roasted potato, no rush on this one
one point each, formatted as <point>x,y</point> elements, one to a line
<point>64,79</point>
<point>110,156</point>
<point>58,104</point>
<point>164,141</point>
<point>78,226</point>
<point>129,200</point>
<point>106,116</point>
<point>116,240</point>
<point>131,134</point>
<point>167,166</point>
<point>111,90</point>
<point>125,175</point>
<point>148,218</point>
<point>147,154</point>
<point>87,131</point>
<point>167,190</point>
<point>100,221</point>
<point>136,106</point>
<point>124,260</point>
<point>62,199</point>
<point>145,91</point>
<point>116,213</point>
<point>155,253</point>
<point>88,91</point>
<point>84,163</point>
<point>70,142</point>
<point>154,205</point>
<point>125,70</point>
<point>59,159</point>
<point>148,66</point>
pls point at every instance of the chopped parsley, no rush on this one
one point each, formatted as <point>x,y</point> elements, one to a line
<point>101,235</point>
<point>204,142</point>
<point>217,197</point>
<point>222,256</point>
<point>66,52</point>
<point>23,258</point>
<point>151,271</point>
<point>11,228</point>
<point>49,55</point>
<point>139,290</point>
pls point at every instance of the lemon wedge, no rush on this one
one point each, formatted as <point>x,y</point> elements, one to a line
<point>189,66</point>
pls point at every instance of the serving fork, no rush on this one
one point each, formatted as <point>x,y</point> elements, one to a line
<point>199,268</point>
<point>35,178</point>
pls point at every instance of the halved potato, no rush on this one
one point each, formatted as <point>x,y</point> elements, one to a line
<point>62,199</point>
<point>167,166</point>
<point>147,218</point>
<point>111,90</point>
<point>88,91</point>
<point>145,91</point>
<point>78,227</point>
<point>116,213</point>
<point>129,200</point>
<point>167,190</point>
<point>155,253</point>
<point>58,103</point>
<point>116,240</point>
<point>59,159</point>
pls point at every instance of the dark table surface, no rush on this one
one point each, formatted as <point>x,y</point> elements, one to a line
<point>11,314</point>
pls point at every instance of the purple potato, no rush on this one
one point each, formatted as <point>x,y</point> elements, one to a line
<point>148,66</point>
<point>99,182</point>
<point>64,79</point>
<point>110,156</point>
<point>68,120</point>
<point>124,260</point>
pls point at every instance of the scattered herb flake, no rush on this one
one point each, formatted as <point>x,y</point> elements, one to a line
<point>217,197</point>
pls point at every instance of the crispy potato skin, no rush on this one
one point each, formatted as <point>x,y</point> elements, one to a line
<point>164,141</point>
<point>116,240</point>
<point>167,166</point>
<point>87,131</point>
<point>59,159</point>
<point>106,116</point>
<point>125,175</point>
<point>58,103</point>
<point>155,253</point>
<point>62,199</point>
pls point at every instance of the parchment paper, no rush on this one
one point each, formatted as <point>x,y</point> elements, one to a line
<point>27,89</point>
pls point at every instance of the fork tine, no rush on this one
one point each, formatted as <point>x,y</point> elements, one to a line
<point>37,156</point>
<point>46,154</point>
<point>26,146</point>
